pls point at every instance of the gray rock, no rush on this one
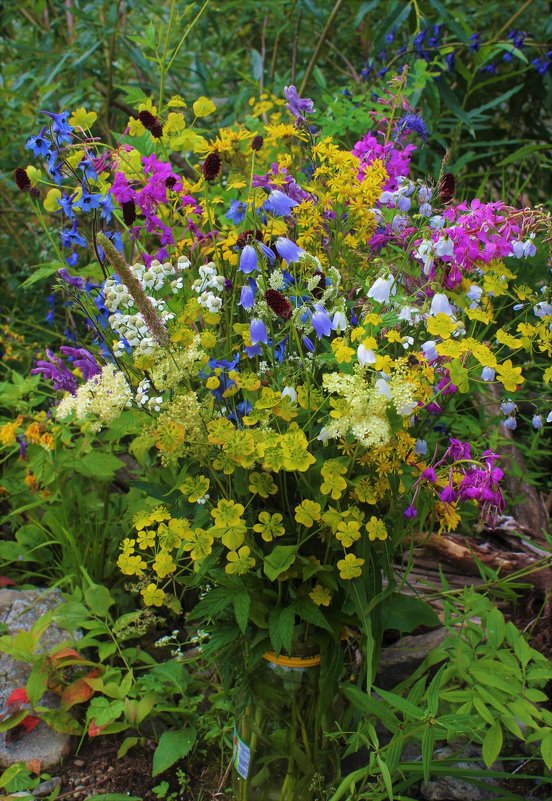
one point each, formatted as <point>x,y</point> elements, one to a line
<point>455,788</point>
<point>45,788</point>
<point>400,660</point>
<point>19,610</point>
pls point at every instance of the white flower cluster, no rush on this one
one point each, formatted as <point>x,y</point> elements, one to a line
<point>104,396</point>
<point>207,286</point>
<point>125,319</point>
<point>143,399</point>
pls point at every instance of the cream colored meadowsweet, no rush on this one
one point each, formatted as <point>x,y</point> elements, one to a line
<point>104,396</point>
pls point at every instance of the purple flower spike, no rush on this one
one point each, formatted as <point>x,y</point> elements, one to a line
<point>258,332</point>
<point>298,106</point>
<point>248,259</point>
<point>57,372</point>
<point>82,359</point>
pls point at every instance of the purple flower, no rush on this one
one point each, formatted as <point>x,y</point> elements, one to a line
<point>309,344</point>
<point>257,332</point>
<point>488,374</point>
<point>236,212</point>
<point>298,106</point>
<point>82,359</point>
<point>60,126</point>
<point>321,321</point>
<point>420,448</point>
<point>288,250</point>
<point>410,512</point>
<point>537,421</point>
<point>39,144</point>
<point>415,124</point>
<point>268,252</point>
<point>247,294</point>
<point>248,259</point>
<point>72,280</point>
<point>429,474</point>
<point>448,495</point>
<point>56,371</point>
<point>279,204</point>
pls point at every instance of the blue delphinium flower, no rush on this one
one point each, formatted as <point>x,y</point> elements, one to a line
<point>236,212</point>
<point>60,126</point>
<point>71,236</point>
<point>88,201</point>
<point>475,42</point>
<point>65,202</point>
<point>87,169</point>
<point>39,144</point>
<point>106,206</point>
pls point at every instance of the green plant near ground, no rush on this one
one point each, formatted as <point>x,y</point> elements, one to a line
<point>487,690</point>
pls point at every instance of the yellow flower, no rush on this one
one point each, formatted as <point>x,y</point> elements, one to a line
<point>135,127</point>
<point>195,487</point>
<point>199,543</point>
<point>320,595</point>
<point>203,107</point>
<point>269,526</point>
<point>239,562</point>
<point>8,431</point>
<point>131,565</point>
<point>343,353</point>
<point>509,376</point>
<point>376,529</point>
<point>146,539</point>
<point>307,513</point>
<point>228,514</point>
<point>348,532</point>
<point>350,567</point>
<point>153,596</point>
<point>127,546</point>
<point>81,118</point>
<point>262,484</point>
<point>441,325</point>
<point>164,564</point>
<point>333,484</point>
<point>295,450</point>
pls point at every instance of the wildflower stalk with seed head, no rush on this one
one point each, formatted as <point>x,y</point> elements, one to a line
<point>143,303</point>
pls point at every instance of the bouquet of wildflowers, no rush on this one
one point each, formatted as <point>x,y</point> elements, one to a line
<point>290,321</point>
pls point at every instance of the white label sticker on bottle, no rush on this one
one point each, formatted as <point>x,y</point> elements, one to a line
<point>242,755</point>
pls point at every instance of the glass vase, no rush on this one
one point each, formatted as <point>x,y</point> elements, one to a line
<point>280,750</point>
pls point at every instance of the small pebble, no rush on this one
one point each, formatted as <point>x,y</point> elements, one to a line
<point>79,763</point>
<point>45,788</point>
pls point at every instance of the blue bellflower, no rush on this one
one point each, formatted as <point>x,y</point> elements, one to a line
<point>258,332</point>
<point>298,106</point>
<point>279,204</point>
<point>248,259</point>
<point>236,212</point>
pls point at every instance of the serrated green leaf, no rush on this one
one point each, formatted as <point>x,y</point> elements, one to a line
<point>279,560</point>
<point>241,603</point>
<point>172,746</point>
<point>546,750</point>
<point>281,623</point>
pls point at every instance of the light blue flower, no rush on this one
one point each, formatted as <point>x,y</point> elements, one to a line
<point>248,259</point>
<point>258,332</point>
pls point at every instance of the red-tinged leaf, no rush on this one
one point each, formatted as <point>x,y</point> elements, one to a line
<point>18,696</point>
<point>7,582</point>
<point>66,653</point>
<point>34,765</point>
<point>29,723</point>
<point>78,692</point>
<point>94,730</point>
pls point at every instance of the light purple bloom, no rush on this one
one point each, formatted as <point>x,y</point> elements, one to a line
<point>321,321</point>
<point>248,259</point>
<point>537,421</point>
<point>420,448</point>
<point>381,289</point>
<point>247,295</point>
<point>488,374</point>
<point>440,305</point>
<point>309,344</point>
<point>298,106</point>
<point>268,252</point>
<point>508,407</point>
<point>72,280</point>
<point>236,212</point>
<point>258,332</point>
<point>288,250</point>
<point>279,204</point>
<point>510,423</point>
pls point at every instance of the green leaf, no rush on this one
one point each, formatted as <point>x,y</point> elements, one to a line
<point>309,611</point>
<point>37,683</point>
<point>126,745</point>
<point>404,706</point>
<point>98,599</point>
<point>428,742</point>
<point>173,745</point>
<point>405,613</point>
<point>434,690</point>
<point>279,560</point>
<point>492,744</point>
<point>44,270</point>
<point>97,464</point>
<point>546,750</point>
<point>281,623</point>
<point>114,797</point>
<point>241,603</point>
<point>386,776</point>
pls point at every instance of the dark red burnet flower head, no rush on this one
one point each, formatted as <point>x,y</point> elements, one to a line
<point>211,166</point>
<point>22,180</point>
<point>246,237</point>
<point>129,212</point>
<point>447,185</point>
<point>318,290</point>
<point>151,123</point>
<point>279,304</point>
<point>257,142</point>
<point>170,182</point>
